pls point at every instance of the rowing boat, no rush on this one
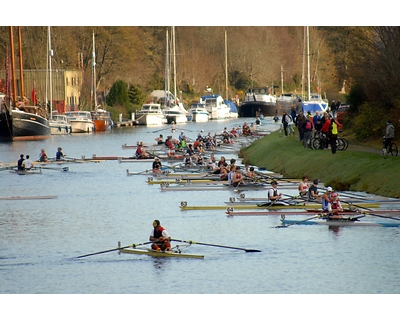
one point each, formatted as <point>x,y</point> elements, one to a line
<point>265,204</point>
<point>387,213</point>
<point>167,182</point>
<point>213,186</point>
<point>161,254</point>
<point>340,223</point>
<point>27,172</point>
<point>184,206</point>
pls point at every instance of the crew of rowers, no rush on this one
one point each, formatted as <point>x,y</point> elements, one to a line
<point>330,200</point>
<point>27,164</point>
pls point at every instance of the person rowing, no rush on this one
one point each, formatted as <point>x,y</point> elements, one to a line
<point>237,178</point>
<point>157,166</point>
<point>303,186</point>
<point>60,155</point>
<point>43,156</point>
<point>336,207</point>
<point>326,200</point>
<point>27,164</point>
<point>160,237</point>
<point>274,196</point>
<point>313,193</point>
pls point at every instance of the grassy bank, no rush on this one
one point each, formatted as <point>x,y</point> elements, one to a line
<point>345,170</point>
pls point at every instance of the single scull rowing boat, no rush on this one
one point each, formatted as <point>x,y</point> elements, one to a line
<point>163,254</point>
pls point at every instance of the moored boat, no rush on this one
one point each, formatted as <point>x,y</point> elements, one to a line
<point>81,121</point>
<point>258,101</point>
<point>176,114</point>
<point>101,120</point>
<point>151,114</point>
<point>199,112</point>
<point>216,107</point>
<point>59,124</point>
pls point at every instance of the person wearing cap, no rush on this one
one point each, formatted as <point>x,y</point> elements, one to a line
<point>59,154</point>
<point>19,162</point>
<point>157,165</point>
<point>160,237</point>
<point>173,127</point>
<point>200,135</point>
<point>274,196</point>
<point>313,193</point>
<point>326,200</point>
<point>336,207</point>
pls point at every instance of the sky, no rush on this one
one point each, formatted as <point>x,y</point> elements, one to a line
<point>202,13</point>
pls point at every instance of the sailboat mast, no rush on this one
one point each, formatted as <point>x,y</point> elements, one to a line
<point>50,55</point>
<point>166,84</point>
<point>93,90</point>
<point>308,64</point>
<point>21,69</point>
<point>226,66</point>
<point>14,86</point>
<point>174,57</point>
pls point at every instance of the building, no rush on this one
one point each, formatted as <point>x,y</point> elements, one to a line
<point>66,87</point>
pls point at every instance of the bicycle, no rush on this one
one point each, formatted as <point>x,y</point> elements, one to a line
<point>391,150</point>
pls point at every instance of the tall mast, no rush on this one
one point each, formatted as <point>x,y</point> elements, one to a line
<point>226,67</point>
<point>50,56</point>
<point>21,69</point>
<point>308,64</point>
<point>93,89</point>
<point>166,84</point>
<point>14,86</point>
<point>174,57</point>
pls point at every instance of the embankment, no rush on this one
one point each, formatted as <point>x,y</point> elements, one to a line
<point>345,170</point>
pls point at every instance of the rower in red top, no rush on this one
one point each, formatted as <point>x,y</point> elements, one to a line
<point>336,207</point>
<point>160,237</point>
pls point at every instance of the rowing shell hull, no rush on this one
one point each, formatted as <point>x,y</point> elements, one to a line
<point>250,206</point>
<point>272,213</point>
<point>341,223</point>
<point>354,205</point>
<point>161,254</point>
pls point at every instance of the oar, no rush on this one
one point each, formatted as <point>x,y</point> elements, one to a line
<point>369,211</point>
<point>100,252</point>
<point>156,130</point>
<point>215,245</point>
<point>298,222</point>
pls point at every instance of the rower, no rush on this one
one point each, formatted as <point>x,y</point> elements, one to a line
<point>274,195</point>
<point>303,186</point>
<point>20,161</point>
<point>336,207</point>
<point>27,164</point>
<point>160,139</point>
<point>157,166</point>
<point>59,154</point>
<point>313,193</point>
<point>326,200</point>
<point>160,237</point>
<point>187,161</point>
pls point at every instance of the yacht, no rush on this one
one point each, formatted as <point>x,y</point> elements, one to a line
<point>151,114</point>
<point>81,121</point>
<point>199,112</point>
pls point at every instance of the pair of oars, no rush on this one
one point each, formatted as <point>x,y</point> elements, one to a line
<point>184,241</point>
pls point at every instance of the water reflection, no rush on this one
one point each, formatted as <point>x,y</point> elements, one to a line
<point>161,263</point>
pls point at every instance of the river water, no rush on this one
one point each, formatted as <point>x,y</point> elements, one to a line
<point>98,205</point>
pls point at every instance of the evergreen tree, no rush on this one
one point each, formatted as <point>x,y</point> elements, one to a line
<point>118,95</point>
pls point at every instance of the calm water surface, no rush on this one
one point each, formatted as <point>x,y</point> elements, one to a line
<point>99,205</point>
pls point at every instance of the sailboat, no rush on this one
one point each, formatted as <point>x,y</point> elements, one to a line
<point>101,118</point>
<point>315,102</point>
<point>19,120</point>
<point>59,123</point>
<point>174,109</point>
